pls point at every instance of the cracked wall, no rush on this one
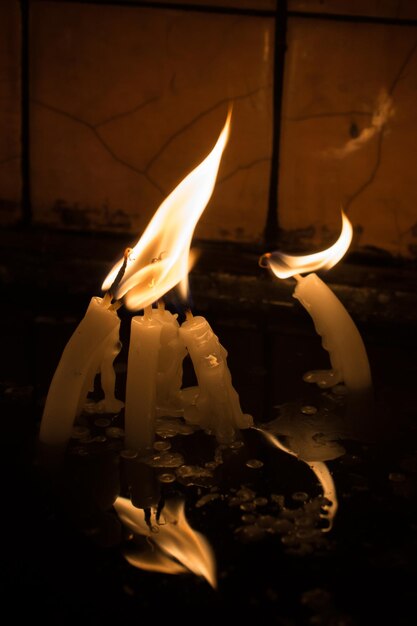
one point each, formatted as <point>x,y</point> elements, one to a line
<point>124,100</point>
<point>349,134</point>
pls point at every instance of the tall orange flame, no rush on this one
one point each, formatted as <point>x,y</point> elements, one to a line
<point>285,265</point>
<point>159,260</point>
<point>177,548</point>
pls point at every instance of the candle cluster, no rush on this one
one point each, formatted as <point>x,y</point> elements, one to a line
<point>158,344</point>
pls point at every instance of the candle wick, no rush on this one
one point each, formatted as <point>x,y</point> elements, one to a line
<point>106,300</point>
<point>298,278</point>
<point>147,311</point>
<point>161,305</point>
<point>116,305</point>
<point>189,315</point>
<point>120,273</point>
<point>263,260</point>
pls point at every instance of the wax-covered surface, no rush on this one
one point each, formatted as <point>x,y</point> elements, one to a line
<point>65,545</point>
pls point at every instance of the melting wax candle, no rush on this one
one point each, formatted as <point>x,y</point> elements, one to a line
<point>340,336</point>
<point>216,404</point>
<point>156,264</point>
<point>171,356</point>
<point>142,369</point>
<point>92,347</point>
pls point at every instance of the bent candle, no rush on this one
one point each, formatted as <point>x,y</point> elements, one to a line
<point>340,337</point>
<point>85,353</point>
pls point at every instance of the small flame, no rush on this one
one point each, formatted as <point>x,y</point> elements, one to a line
<point>176,547</point>
<point>285,265</point>
<point>159,260</point>
<point>322,473</point>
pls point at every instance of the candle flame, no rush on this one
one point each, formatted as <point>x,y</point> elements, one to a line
<point>285,265</point>
<point>175,548</point>
<point>184,285</point>
<point>159,260</point>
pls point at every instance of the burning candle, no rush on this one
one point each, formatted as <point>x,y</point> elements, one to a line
<point>142,368</point>
<point>340,336</point>
<point>171,355</point>
<point>157,263</point>
<point>216,406</point>
<point>92,347</point>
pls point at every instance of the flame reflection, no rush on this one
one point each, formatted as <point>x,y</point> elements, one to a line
<point>159,260</point>
<point>175,548</point>
<point>322,473</point>
<point>286,265</point>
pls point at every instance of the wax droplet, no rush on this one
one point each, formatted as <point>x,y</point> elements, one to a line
<point>102,422</point>
<point>248,518</point>
<point>248,506</point>
<point>162,445</point>
<point>278,499</point>
<point>166,432</point>
<point>245,494</point>
<point>80,451</point>
<point>100,439</point>
<point>166,477</point>
<point>282,525</point>
<point>211,465</point>
<point>209,497</point>
<point>235,445</point>
<point>80,432</point>
<point>308,410</point>
<point>266,521</point>
<point>190,475</point>
<point>322,378</point>
<point>115,433</point>
<point>167,459</point>
<point>250,533</point>
<point>129,454</point>
<point>305,522</point>
<point>300,496</point>
<point>260,501</point>
<point>307,533</point>
<point>396,477</point>
<point>254,463</point>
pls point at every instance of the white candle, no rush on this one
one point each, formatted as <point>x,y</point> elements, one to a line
<point>340,337</point>
<point>171,355</point>
<point>142,368</point>
<point>81,359</point>
<point>217,405</point>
